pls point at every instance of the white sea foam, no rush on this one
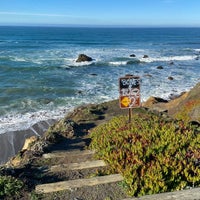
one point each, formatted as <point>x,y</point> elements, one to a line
<point>168,58</point>
<point>117,63</point>
<point>127,60</point>
<point>18,59</point>
<point>13,122</point>
<point>86,63</point>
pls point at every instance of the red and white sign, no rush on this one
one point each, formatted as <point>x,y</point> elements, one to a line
<point>129,91</point>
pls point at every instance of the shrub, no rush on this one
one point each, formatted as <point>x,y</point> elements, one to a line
<point>154,155</point>
<point>10,186</point>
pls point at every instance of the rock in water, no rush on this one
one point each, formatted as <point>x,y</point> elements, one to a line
<point>83,58</point>
<point>145,56</point>
<point>170,78</point>
<point>160,67</point>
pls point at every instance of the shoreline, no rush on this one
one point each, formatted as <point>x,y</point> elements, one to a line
<point>13,141</point>
<point>39,116</point>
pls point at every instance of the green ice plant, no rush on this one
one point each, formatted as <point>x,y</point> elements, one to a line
<point>153,154</point>
<point>10,186</point>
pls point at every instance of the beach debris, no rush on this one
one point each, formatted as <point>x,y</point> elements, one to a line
<point>83,58</point>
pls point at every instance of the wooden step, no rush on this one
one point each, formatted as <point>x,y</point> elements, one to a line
<point>78,183</point>
<point>77,166</point>
<point>189,194</point>
<point>59,154</point>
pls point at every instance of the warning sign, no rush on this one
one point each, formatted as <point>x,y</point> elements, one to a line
<point>129,91</point>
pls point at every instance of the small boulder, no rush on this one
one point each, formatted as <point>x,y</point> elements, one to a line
<point>170,78</point>
<point>83,58</point>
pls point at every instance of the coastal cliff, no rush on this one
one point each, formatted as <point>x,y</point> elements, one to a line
<point>77,125</point>
<point>185,107</point>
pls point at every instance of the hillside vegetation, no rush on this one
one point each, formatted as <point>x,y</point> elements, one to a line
<point>153,154</point>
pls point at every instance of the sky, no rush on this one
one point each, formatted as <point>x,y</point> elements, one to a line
<point>137,13</point>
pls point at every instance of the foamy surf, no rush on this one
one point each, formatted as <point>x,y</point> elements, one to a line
<point>169,58</point>
<point>40,82</point>
<point>17,122</point>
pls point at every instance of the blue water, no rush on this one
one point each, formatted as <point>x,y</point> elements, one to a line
<point>39,78</point>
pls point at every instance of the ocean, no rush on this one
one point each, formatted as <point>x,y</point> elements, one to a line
<point>40,80</point>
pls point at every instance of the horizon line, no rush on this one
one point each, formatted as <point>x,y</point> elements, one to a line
<point>97,26</point>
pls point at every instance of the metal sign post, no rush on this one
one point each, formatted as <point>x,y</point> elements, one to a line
<point>129,93</point>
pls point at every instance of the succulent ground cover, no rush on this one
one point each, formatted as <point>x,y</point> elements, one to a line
<point>153,154</point>
<point>10,186</point>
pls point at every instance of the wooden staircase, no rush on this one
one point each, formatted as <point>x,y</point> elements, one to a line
<point>69,161</point>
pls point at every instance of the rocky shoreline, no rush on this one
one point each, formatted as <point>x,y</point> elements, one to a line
<point>12,142</point>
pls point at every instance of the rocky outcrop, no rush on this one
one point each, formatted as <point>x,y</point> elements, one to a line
<point>153,100</point>
<point>64,128</point>
<point>188,109</point>
<point>83,58</point>
<point>185,107</point>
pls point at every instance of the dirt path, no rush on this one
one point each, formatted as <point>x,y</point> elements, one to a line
<point>72,172</point>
